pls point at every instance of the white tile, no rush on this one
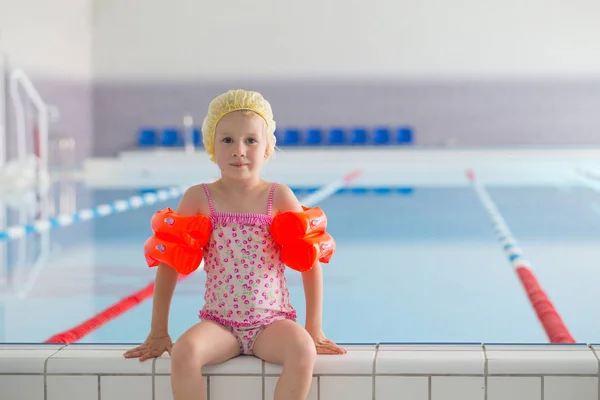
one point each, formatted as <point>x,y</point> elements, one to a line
<point>430,359</point>
<point>163,364</point>
<point>596,348</point>
<point>541,359</point>
<point>108,361</point>
<point>72,387</point>
<point>402,387</point>
<point>457,388</point>
<point>271,381</point>
<point>248,365</point>
<point>358,360</point>
<point>477,347</point>
<point>21,387</point>
<point>25,361</point>
<point>358,347</point>
<point>163,390</point>
<point>125,387</point>
<point>567,388</point>
<point>100,347</point>
<point>235,387</point>
<point>514,388</point>
<point>346,387</point>
<point>25,346</point>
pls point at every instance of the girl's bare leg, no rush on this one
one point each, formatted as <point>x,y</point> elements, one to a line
<point>289,344</point>
<point>203,344</point>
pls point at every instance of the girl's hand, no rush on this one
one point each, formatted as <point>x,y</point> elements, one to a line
<point>153,346</point>
<point>324,345</point>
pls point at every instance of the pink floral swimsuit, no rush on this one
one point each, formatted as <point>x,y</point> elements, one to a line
<point>245,285</point>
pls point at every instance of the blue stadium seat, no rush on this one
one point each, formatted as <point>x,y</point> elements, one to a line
<point>404,135</point>
<point>147,137</point>
<point>405,190</point>
<point>291,137</point>
<point>381,135</point>
<point>171,137</point>
<point>359,190</point>
<point>314,136</point>
<point>382,190</point>
<point>359,136</point>
<point>337,136</point>
<point>197,137</point>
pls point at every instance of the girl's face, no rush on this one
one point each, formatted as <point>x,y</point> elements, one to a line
<point>240,144</point>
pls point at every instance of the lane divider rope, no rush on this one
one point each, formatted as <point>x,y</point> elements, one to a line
<point>102,210</point>
<point>553,325</point>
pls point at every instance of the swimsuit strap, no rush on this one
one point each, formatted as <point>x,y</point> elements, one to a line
<point>210,203</point>
<point>271,194</point>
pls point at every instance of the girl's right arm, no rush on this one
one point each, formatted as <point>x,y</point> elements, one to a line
<point>164,286</point>
<point>158,341</point>
<point>166,277</point>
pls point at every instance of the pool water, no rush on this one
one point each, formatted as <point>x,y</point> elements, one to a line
<point>418,264</point>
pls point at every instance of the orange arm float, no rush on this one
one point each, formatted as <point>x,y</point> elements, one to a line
<point>177,241</point>
<point>289,226</point>
<point>303,238</point>
<point>302,254</point>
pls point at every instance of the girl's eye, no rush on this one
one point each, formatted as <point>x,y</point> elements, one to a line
<point>252,140</point>
<point>227,140</point>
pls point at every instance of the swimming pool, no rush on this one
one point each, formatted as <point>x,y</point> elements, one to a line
<point>414,263</point>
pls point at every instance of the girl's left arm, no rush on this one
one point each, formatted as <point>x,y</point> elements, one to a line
<point>285,200</point>
<point>313,292</point>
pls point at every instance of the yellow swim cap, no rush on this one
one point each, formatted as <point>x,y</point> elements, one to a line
<point>235,100</point>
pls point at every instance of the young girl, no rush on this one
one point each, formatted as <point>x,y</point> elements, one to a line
<point>237,318</point>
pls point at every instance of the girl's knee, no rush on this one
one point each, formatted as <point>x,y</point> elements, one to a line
<point>186,355</point>
<point>302,352</point>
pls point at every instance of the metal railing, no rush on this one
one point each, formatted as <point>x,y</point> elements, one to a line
<point>3,105</point>
<point>30,172</point>
<point>19,78</point>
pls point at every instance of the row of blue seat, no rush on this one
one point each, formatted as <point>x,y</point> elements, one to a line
<point>172,137</point>
<point>168,137</point>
